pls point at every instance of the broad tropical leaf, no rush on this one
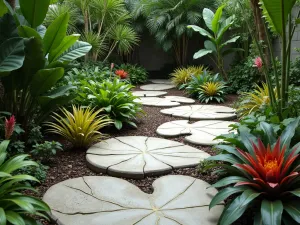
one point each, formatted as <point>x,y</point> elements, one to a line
<point>78,50</point>
<point>271,212</point>
<point>34,11</point>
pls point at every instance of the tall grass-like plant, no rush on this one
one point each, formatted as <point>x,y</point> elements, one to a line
<point>15,206</point>
<point>81,126</point>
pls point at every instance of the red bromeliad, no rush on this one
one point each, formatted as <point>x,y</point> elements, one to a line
<point>269,169</point>
<point>121,73</point>
<point>9,127</point>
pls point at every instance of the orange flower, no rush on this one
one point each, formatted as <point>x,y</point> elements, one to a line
<point>121,73</point>
<point>269,169</point>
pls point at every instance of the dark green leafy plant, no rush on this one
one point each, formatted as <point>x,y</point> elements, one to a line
<point>217,26</point>
<point>265,176</point>
<point>32,60</point>
<point>242,77</point>
<point>115,97</point>
<point>16,207</point>
<point>46,150</point>
<point>137,74</point>
<point>39,172</point>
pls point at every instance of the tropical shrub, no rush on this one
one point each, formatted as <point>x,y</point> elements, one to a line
<point>33,60</point>
<point>16,207</point>
<point>263,175</point>
<point>254,101</point>
<point>212,91</point>
<point>45,150</point>
<point>217,28</point>
<point>81,126</point>
<point>137,74</point>
<point>295,72</point>
<point>167,21</point>
<point>115,97</point>
<point>242,77</point>
<point>104,24</point>
<point>183,75</point>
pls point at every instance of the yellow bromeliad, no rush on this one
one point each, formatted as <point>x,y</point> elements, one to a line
<point>80,127</point>
<point>253,101</point>
<point>183,75</point>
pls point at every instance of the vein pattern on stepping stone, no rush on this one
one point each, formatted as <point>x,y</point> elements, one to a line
<point>139,156</point>
<point>161,81</point>
<point>201,112</point>
<point>96,200</point>
<point>149,93</point>
<point>165,101</point>
<point>201,133</point>
<point>157,87</point>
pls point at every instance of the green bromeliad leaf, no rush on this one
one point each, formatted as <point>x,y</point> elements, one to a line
<point>271,212</point>
<point>238,207</point>
<point>293,209</point>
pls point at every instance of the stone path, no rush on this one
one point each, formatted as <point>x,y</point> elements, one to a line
<point>149,93</point>
<point>200,133</point>
<point>161,81</point>
<point>201,112</point>
<point>111,201</point>
<point>165,101</point>
<point>139,156</point>
<point>157,87</point>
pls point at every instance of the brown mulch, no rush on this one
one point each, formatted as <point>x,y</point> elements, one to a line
<point>71,163</point>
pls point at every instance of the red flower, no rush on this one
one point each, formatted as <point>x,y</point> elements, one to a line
<point>258,63</point>
<point>269,169</point>
<point>9,127</point>
<point>121,73</point>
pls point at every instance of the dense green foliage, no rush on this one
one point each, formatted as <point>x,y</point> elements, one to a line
<point>15,207</point>
<point>33,60</point>
<point>115,97</point>
<point>137,74</point>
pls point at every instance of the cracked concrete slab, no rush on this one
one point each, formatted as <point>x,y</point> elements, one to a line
<point>199,133</point>
<point>139,156</point>
<point>161,81</point>
<point>149,93</point>
<point>92,200</point>
<point>164,101</point>
<point>157,87</point>
<point>201,112</point>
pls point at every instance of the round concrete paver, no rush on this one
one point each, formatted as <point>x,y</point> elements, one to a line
<point>161,81</point>
<point>139,156</point>
<point>149,93</point>
<point>96,200</point>
<point>157,87</point>
<point>201,112</point>
<point>200,133</point>
<point>165,101</point>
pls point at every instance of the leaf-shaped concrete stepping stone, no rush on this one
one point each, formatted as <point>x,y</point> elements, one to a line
<point>161,81</point>
<point>165,101</point>
<point>177,200</point>
<point>201,133</point>
<point>139,156</point>
<point>157,87</point>
<point>149,93</point>
<point>201,112</point>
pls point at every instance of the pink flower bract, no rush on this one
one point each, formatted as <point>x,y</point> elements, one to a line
<point>9,127</point>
